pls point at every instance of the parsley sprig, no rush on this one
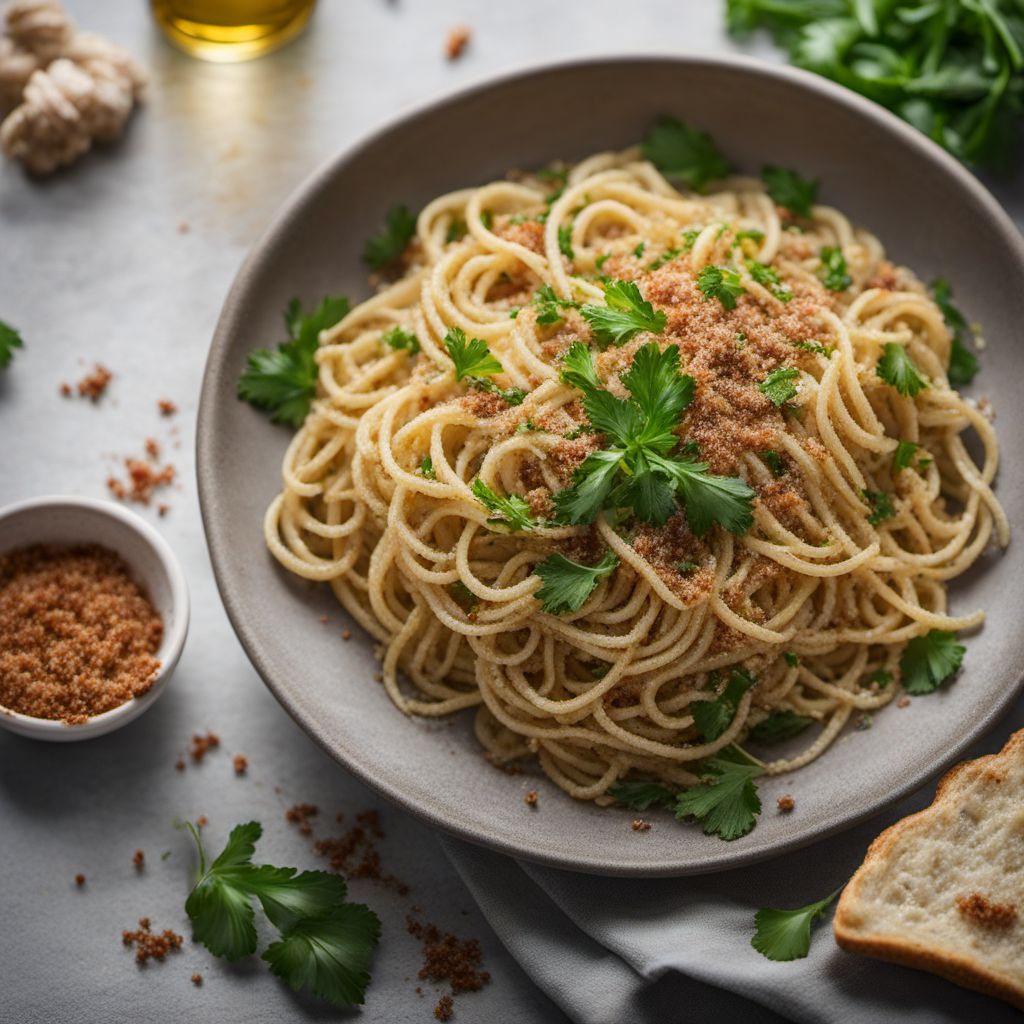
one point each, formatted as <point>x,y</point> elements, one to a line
<point>511,511</point>
<point>769,278</point>
<point>786,934</point>
<point>789,190</point>
<point>963,363</point>
<point>325,943</point>
<point>835,276</point>
<point>549,306</point>
<point>720,283</point>
<point>642,468</point>
<point>402,340</point>
<point>929,661</point>
<point>779,726</point>
<point>713,717</point>
<point>384,248</point>
<point>471,358</point>
<point>625,313</point>
<point>679,151</point>
<point>283,380</point>
<point>897,368</point>
<point>10,339</point>
<point>568,584</point>
<point>779,387</point>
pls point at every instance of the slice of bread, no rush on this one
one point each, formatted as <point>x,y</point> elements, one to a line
<point>943,889</point>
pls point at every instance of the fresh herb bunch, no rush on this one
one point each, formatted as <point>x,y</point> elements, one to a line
<point>283,380</point>
<point>951,68</point>
<point>326,943</point>
<point>644,468</point>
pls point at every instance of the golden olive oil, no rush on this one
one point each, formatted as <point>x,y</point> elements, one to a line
<point>231,30</point>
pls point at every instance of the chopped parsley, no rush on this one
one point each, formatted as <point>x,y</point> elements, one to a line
<point>463,596</point>
<point>548,305</point>
<point>679,151</point>
<point>565,241</point>
<point>792,658</point>
<point>963,363</point>
<point>602,260</point>
<point>567,584</point>
<point>786,934</point>
<point>778,386</point>
<point>456,231</point>
<point>383,249</point>
<point>625,313</point>
<point>471,358</point>
<point>686,566</point>
<point>689,237</point>
<point>325,944</point>
<point>642,796</point>
<point>725,802</point>
<point>713,717</point>
<point>397,338</point>
<point>751,234</point>
<point>10,339</point>
<point>514,396</point>
<point>487,219</point>
<point>879,678</point>
<point>641,468</point>
<point>881,504</point>
<point>779,726</point>
<point>904,455</point>
<point>773,460</point>
<point>665,257</point>
<point>897,368</point>
<point>816,347</point>
<point>769,278</point>
<point>833,264</point>
<point>283,380</point>
<point>720,283</point>
<point>525,427</point>
<point>789,190</point>
<point>929,661</point>
<point>427,468</point>
<point>510,511</point>
<point>640,249</point>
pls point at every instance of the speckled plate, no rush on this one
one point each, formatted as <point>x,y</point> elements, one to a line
<point>929,212</point>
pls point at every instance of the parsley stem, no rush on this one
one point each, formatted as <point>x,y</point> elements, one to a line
<point>199,847</point>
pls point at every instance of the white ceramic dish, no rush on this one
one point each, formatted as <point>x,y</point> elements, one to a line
<point>64,520</point>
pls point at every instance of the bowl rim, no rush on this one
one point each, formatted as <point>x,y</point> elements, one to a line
<point>216,368</point>
<point>172,641</point>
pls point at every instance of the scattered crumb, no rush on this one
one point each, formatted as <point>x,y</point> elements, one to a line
<point>202,745</point>
<point>445,1008</point>
<point>79,880</point>
<point>240,763</point>
<point>639,825</point>
<point>143,477</point>
<point>531,798</point>
<point>903,702</point>
<point>346,634</point>
<point>149,945</point>
<point>446,957</point>
<point>202,821</point>
<point>92,385</point>
<point>378,677</point>
<point>354,854</point>
<point>65,390</point>
<point>139,860</point>
<point>162,510</point>
<point>152,448</point>
<point>179,765</point>
<point>197,979</point>
<point>300,816</point>
<point>183,228</point>
<point>323,620</point>
<point>166,407</point>
<point>786,803</point>
<point>458,40</point>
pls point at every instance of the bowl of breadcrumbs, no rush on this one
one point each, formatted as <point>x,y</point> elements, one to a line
<point>93,617</point>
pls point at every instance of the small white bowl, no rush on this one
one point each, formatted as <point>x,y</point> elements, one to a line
<point>65,521</point>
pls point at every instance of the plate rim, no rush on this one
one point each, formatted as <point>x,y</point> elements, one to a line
<point>212,387</point>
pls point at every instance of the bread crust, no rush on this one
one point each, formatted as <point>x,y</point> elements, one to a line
<point>961,970</point>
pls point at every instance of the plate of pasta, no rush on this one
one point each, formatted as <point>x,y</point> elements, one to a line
<point>626,492</point>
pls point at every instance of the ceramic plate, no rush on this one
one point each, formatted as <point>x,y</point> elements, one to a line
<point>929,212</point>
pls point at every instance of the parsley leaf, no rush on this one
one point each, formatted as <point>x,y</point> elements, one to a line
<point>778,386</point>
<point>667,256</point>
<point>786,934</point>
<point>879,678</point>
<point>471,358</point>
<point>904,455</point>
<point>463,596</point>
<point>833,263</point>
<point>511,511</point>
<point>720,283</point>
<point>779,726</point>
<point>456,231</point>
<point>642,796</point>
<point>384,248</point>
<point>963,363</point>
<point>565,241</point>
<point>625,313</point>
<point>726,802</point>
<point>713,717</point>
<point>930,660</point>
<point>283,380</point>
<point>769,278</point>
<point>897,368</point>
<point>400,339</point>
<point>710,499</point>
<point>567,584</point>
<point>679,151</point>
<point>773,460</point>
<point>325,944</point>
<point>10,339</point>
<point>788,189</point>
<point>548,304</point>
<point>689,238</point>
<point>881,504</point>
<point>578,369</point>
<point>427,468</point>
<point>816,347</point>
<point>514,396</point>
<point>592,484</point>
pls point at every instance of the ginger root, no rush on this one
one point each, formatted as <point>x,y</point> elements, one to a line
<point>63,89</point>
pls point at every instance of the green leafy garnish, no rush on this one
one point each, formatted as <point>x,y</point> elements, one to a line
<point>879,678</point>
<point>514,396</point>
<point>898,369</point>
<point>930,660</point>
<point>753,234</point>
<point>427,468</point>
<point>325,943</point>
<point>400,339</point>
<point>283,380</point>
<point>548,304</point>
<point>779,726</point>
<point>471,358</point>
<point>639,249</point>
<point>720,283</point>
<point>642,468</point>
<point>510,511</point>
<point>679,151</point>
<point>565,241</point>
<point>726,801</point>
<point>487,219</point>
<point>567,584</point>
<point>713,717</point>
<point>792,658</point>
<point>642,796</point>
<point>833,264</point>
<point>963,363</point>
<point>904,455</point>
<point>769,278</point>
<point>456,231</point>
<point>463,596</point>
<point>815,347</point>
<point>773,460</point>
<point>778,386</point>
<point>384,248</point>
<point>665,257</point>
<point>882,507</point>
<point>10,339</point>
<point>625,313</point>
<point>689,237</point>
<point>786,934</point>
<point>788,189</point>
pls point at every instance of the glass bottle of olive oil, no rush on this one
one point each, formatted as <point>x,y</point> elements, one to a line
<point>231,30</point>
